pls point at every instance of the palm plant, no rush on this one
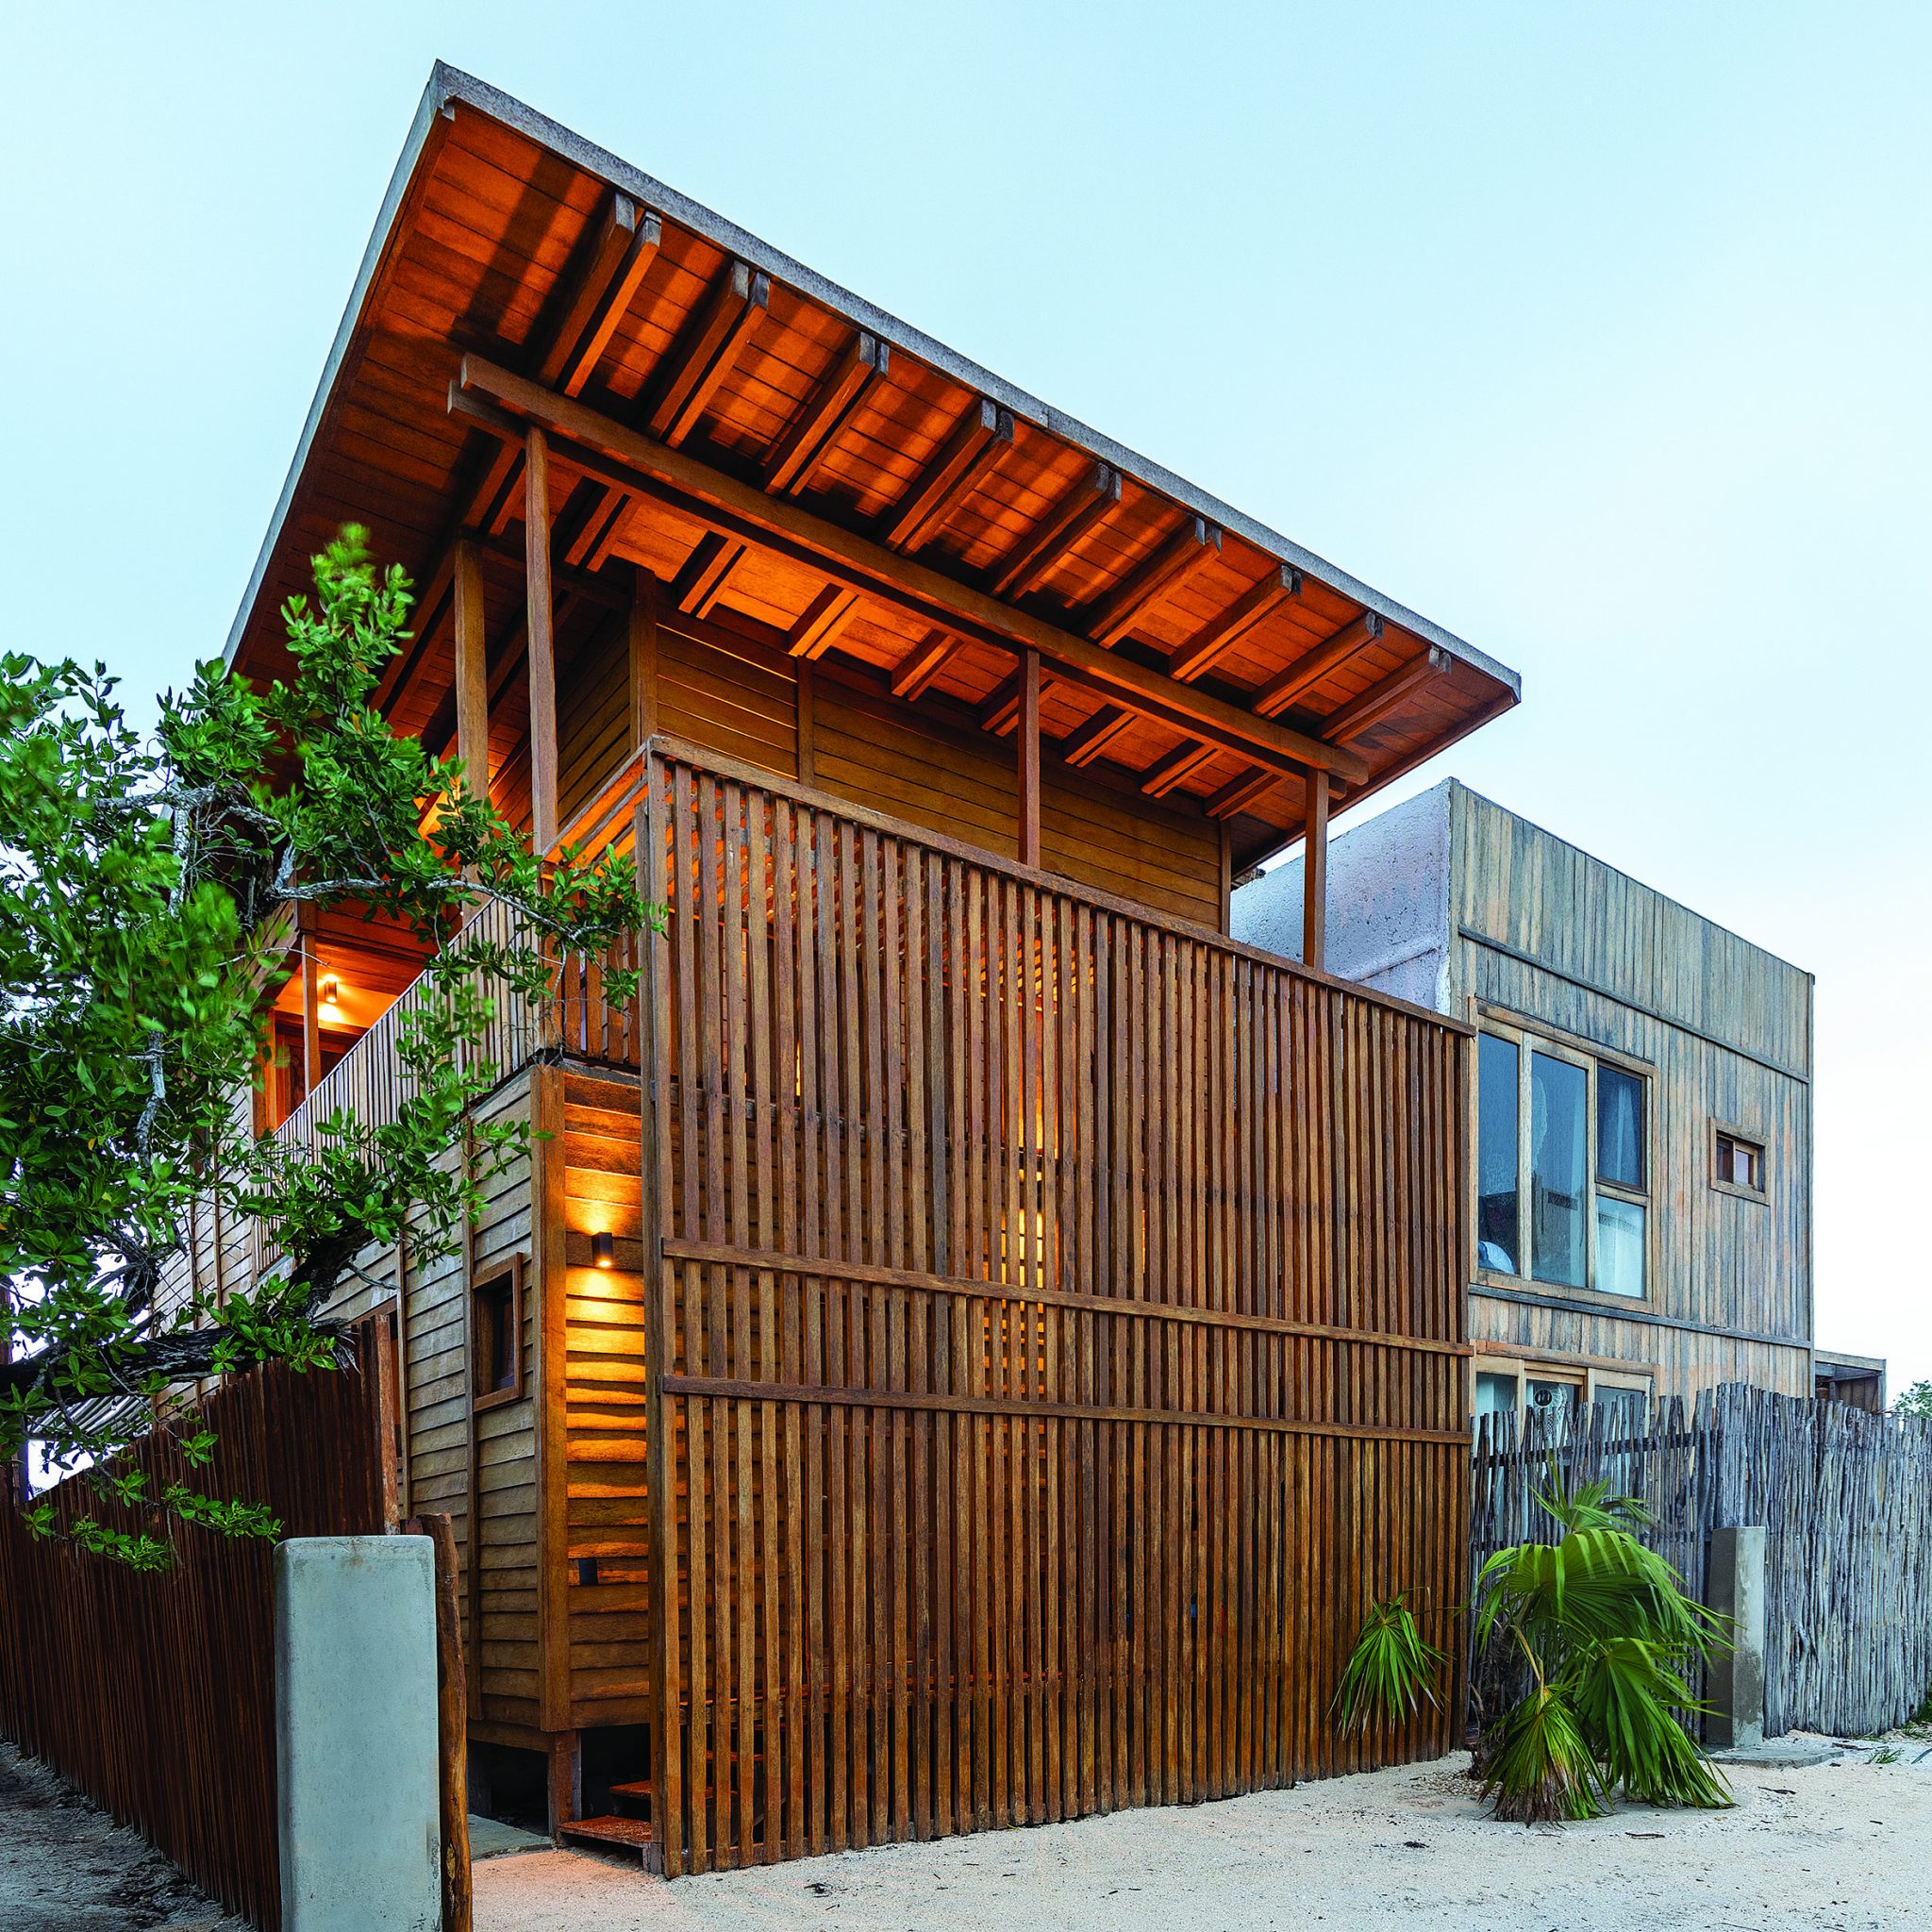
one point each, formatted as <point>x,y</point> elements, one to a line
<point>1391,1669</point>
<point>1608,1636</point>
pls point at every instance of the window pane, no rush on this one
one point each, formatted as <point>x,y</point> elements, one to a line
<point>1618,1245</point>
<point>1495,1394</point>
<point>1497,1230</point>
<point>1559,1093</point>
<point>1619,1127</point>
<point>1630,1406</point>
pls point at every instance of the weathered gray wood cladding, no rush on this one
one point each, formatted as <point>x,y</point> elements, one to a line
<point>1541,930</point>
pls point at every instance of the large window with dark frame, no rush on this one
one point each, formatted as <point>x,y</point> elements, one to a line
<point>1563,1181</point>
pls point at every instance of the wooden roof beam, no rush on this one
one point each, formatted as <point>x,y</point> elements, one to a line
<point>1086,741</point>
<point>704,354</point>
<point>1171,768</point>
<point>979,440</point>
<point>697,586</point>
<point>1071,518</point>
<point>1000,711</point>
<point>822,418</point>
<point>824,617</point>
<point>1310,669</point>
<point>598,445</point>
<point>1368,708</point>
<point>1245,789</point>
<point>1162,571</point>
<point>917,668</point>
<point>621,254</point>
<point>1282,583</point>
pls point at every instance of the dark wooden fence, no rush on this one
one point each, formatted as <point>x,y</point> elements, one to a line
<point>1845,1500</point>
<point>1056,1339</point>
<point>155,1694</point>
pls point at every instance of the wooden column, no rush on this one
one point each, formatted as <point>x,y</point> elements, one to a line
<point>473,671</point>
<point>1315,874</point>
<point>541,643</point>
<point>1028,736</point>
<point>807,746</point>
<point>644,658</point>
<point>312,1007</point>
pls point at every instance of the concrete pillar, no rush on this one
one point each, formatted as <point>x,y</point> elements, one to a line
<point>1736,1683</point>
<point>355,1736</point>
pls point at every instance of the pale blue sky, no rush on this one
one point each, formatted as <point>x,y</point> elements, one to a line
<point>1599,335</point>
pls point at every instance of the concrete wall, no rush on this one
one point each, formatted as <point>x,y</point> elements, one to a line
<point>355,1735</point>
<point>1387,902</point>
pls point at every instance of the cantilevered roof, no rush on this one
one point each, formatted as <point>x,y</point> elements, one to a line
<point>805,469</point>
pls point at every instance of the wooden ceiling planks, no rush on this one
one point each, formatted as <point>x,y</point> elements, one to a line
<point>503,246</point>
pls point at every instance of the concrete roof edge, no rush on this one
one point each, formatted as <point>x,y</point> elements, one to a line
<point>449,83</point>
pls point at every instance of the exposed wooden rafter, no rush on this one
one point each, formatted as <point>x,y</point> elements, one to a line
<point>824,617</point>
<point>982,436</point>
<point>1282,583</point>
<point>921,663</point>
<point>826,412</point>
<point>1243,789</point>
<point>704,354</point>
<point>1071,518</point>
<point>600,446</point>
<point>1381,697</point>
<point>1313,666</point>
<point>1087,741</point>
<point>1171,767</point>
<point>620,257</point>
<point>696,588</point>
<point>1000,711</point>
<point>1162,572</point>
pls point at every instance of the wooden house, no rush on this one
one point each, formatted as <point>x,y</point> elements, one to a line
<point>971,1337</point>
<point>1641,1123</point>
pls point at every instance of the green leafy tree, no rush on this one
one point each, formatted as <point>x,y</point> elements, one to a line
<point>145,888</point>
<point>1916,1402</point>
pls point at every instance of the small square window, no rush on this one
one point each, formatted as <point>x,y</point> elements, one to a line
<point>496,1334</point>
<point>1738,1164</point>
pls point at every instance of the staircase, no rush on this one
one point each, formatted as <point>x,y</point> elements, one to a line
<point>627,1829</point>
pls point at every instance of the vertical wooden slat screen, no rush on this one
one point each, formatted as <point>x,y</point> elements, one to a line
<point>1056,1338</point>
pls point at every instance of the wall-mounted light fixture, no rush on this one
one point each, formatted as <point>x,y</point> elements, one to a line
<point>329,994</point>
<point>603,1250</point>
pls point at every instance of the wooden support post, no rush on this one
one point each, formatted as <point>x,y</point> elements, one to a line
<point>542,646</point>
<point>548,1286</point>
<point>644,658</point>
<point>807,746</point>
<point>566,1780</point>
<point>1028,734</point>
<point>312,1007</point>
<point>451,1726</point>
<point>1315,874</point>
<point>473,671</point>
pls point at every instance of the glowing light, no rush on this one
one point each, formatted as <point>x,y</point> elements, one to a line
<point>603,1250</point>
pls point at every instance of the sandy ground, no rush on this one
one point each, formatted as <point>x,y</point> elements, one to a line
<point>65,1866</point>
<point>1834,1845</point>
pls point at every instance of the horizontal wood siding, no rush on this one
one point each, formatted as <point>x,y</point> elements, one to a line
<point>608,1513</point>
<point>1057,1341</point>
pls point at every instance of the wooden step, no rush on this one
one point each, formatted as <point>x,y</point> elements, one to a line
<point>622,1834</point>
<point>634,1799</point>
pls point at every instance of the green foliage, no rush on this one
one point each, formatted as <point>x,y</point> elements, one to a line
<point>1391,1669</point>
<point>145,883</point>
<point>1608,1637</point>
<point>1916,1402</point>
